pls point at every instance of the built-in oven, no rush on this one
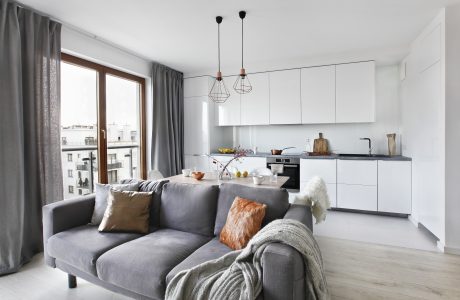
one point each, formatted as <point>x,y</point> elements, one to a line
<point>290,167</point>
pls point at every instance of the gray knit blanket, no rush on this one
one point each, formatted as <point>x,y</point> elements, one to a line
<point>238,274</point>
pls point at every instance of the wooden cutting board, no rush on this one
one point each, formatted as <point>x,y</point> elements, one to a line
<point>320,145</point>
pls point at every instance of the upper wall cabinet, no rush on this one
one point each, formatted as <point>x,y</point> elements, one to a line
<point>285,107</point>
<point>255,106</point>
<point>229,112</point>
<point>318,95</point>
<point>355,92</point>
<point>196,86</point>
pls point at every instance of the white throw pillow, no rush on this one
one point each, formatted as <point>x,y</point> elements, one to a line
<point>102,193</point>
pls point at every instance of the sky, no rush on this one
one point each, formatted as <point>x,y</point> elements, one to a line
<point>79,98</point>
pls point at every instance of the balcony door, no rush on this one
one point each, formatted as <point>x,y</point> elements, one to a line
<point>102,125</point>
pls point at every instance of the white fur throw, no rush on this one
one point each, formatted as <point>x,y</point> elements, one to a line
<point>315,195</point>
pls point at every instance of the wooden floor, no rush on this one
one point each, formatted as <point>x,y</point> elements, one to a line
<point>357,270</point>
<point>354,270</point>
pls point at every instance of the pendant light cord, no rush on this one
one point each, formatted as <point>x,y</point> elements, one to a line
<point>242,42</point>
<point>218,45</point>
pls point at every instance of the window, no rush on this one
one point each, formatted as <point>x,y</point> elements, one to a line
<point>70,173</point>
<point>113,176</point>
<point>112,158</point>
<point>70,189</point>
<point>103,122</point>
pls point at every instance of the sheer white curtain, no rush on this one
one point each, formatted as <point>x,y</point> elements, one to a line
<point>30,163</point>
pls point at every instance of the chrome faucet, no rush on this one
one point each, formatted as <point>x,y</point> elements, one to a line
<point>370,144</point>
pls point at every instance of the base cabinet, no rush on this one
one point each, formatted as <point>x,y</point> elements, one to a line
<point>394,187</point>
<point>331,191</point>
<point>360,197</point>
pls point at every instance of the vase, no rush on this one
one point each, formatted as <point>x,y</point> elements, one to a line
<point>225,174</point>
<point>391,144</point>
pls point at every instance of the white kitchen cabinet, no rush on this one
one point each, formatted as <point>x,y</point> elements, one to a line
<point>394,187</point>
<point>285,107</point>
<point>355,92</point>
<point>357,184</point>
<point>251,164</point>
<point>229,112</point>
<point>361,172</point>
<point>324,168</point>
<point>318,95</point>
<point>360,197</point>
<point>331,191</point>
<point>196,86</point>
<point>243,164</point>
<point>196,120</point>
<point>255,106</point>
<point>197,162</point>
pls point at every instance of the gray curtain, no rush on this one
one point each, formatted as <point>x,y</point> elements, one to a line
<point>168,120</point>
<point>30,160</point>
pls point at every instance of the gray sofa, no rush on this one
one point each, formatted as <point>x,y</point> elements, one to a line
<point>185,223</point>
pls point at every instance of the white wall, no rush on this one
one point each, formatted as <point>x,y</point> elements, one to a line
<point>343,138</point>
<point>453,129</point>
<point>93,49</point>
<point>423,126</point>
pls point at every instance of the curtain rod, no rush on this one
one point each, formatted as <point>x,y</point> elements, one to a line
<point>84,32</point>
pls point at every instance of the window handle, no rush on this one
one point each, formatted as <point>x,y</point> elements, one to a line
<point>103,133</point>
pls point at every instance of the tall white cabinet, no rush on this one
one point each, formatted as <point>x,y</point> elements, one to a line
<point>285,97</point>
<point>201,136</point>
<point>318,95</point>
<point>355,92</point>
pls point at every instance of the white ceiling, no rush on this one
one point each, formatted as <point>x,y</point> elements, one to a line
<point>182,33</point>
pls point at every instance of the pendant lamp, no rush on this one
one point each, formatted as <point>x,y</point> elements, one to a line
<point>242,84</point>
<point>219,92</point>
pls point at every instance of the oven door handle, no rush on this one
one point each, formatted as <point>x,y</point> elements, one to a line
<point>291,166</point>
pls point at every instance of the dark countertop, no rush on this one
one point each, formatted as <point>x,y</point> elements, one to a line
<point>332,156</point>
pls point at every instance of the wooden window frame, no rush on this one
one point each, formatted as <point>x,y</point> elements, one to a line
<point>102,71</point>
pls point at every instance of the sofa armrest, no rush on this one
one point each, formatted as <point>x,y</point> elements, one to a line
<point>301,213</point>
<point>283,273</point>
<point>64,215</point>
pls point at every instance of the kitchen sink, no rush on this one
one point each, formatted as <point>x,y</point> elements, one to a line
<point>363,155</point>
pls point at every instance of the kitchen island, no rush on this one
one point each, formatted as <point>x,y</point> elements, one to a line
<point>247,181</point>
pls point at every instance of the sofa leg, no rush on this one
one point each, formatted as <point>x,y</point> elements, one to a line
<point>72,281</point>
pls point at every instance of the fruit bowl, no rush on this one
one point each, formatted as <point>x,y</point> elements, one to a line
<point>198,175</point>
<point>226,150</point>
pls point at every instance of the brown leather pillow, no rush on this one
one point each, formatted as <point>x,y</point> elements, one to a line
<point>127,211</point>
<point>243,221</point>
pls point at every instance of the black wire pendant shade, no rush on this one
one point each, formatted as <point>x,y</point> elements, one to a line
<point>219,92</point>
<point>242,84</point>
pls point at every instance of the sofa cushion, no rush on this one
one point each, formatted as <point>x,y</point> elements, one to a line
<point>244,220</point>
<point>102,194</point>
<point>189,207</point>
<point>211,250</point>
<point>82,246</point>
<point>141,266</point>
<point>277,201</point>
<point>127,212</point>
<point>155,186</point>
